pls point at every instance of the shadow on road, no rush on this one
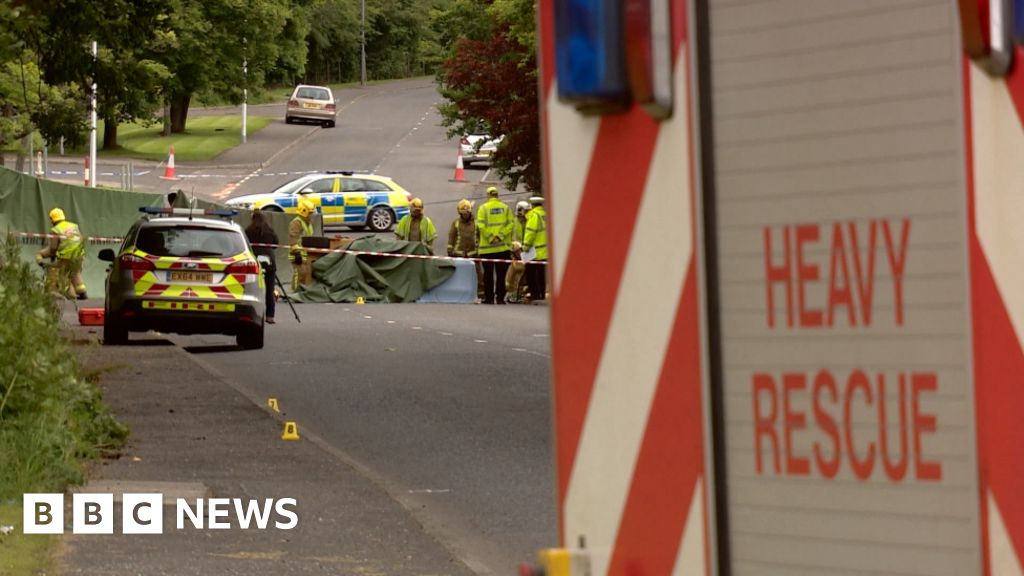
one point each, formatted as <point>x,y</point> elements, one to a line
<point>149,342</point>
<point>212,349</point>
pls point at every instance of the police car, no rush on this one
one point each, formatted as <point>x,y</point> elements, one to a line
<point>184,271</point>
<point>343,199</point>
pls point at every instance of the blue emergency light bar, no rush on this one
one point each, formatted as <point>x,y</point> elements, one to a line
<point>589,57</point>
<point>188,211</point>
<point>1018,21</point>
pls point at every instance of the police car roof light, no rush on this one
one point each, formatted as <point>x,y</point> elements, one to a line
<point>347,172</point>
<point>590,55</point>
<point>157,211</point>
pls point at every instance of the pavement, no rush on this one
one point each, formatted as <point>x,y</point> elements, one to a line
<point>195,435</point>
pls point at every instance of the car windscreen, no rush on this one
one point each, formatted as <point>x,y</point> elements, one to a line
<point>293,186</point>
<point>313,94</point>
<point>190,241</point>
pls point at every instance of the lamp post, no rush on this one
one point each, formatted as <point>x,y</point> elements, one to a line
<point>362,56</point>
<point>92,123</point>
<point>245,88</point>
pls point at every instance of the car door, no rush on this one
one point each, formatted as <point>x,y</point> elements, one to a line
<point>356,201</point>
<point>324,195</point>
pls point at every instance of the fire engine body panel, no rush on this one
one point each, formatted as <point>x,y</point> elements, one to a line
<point>797,349</point>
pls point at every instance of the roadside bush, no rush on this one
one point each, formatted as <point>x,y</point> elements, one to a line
<point>51,417</point>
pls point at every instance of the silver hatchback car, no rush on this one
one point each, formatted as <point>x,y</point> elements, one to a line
<point>312,104</point>
<point>185,274</point>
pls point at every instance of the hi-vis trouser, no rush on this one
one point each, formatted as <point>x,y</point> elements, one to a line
<point>65,277</point>
<point>302,274</point>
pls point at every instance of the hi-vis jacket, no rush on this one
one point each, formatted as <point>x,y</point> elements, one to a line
<point>537,232</point>
<point>428,233</point>
<point>462,238</point>
<point>296,233</point>
<point>494,223</point>
<point>71,246</point>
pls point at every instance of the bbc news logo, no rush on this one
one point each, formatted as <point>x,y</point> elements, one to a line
<point>144,514</point>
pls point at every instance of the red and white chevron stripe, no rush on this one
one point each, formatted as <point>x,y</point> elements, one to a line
<point>995,143</point>
<point>626,337</point>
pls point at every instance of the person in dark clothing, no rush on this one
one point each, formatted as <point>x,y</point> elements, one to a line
<point>260,232</point>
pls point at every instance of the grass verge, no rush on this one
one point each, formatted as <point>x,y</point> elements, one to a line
<point>52,417</point>
<point>205,137</point>
<point>22,554</point>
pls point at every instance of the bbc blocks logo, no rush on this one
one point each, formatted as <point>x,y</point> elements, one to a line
<point>144,514</point>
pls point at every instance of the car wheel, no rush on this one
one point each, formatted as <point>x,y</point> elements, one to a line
<point>114,331</point>
<point>380,219</point>
<point>288,120</point>
<point>250,337</point>
<point>271,209</point>
<point>329,124</point>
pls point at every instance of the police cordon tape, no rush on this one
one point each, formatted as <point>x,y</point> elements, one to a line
<point>29,237</point>
<point>392,255</point>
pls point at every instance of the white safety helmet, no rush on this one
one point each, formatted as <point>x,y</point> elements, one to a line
<point>522,207</point>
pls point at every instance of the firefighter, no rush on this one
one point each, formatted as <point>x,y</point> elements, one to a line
<point>416,226</point>
<point>462,240</point>
<point>494,223</point>
<point>514,277</point>
<point>462,233</point>
<point>535,239</point>
<point>298,228</point>
<point>68,249</point>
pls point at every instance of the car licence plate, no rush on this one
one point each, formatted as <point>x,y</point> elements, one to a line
<point>312,105</point>
<point>190,276</point>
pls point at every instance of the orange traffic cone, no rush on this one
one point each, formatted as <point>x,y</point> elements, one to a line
<point>460,170</point>
<point>169,173</point>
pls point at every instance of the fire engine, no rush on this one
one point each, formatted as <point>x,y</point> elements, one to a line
<point>788,285</point>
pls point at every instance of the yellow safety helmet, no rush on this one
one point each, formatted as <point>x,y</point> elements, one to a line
<point>305,208</point>
<point>492,191</point>
<point>416,203</point>
<point>465,206</point>
<point>56,215</point>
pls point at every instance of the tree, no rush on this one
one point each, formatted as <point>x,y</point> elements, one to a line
<point>27,101</point>
<point>59,34</point>
<point>214,36</point>
<point>333,42</point>
<point>395,29</point>
<point>491,76</point>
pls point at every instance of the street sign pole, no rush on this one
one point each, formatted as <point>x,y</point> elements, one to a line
<point>362,56</point>
<point>92,123</point>
<point>245,91</point>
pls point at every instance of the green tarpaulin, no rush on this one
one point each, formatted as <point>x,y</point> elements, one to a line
<point>103,215</point>
<point>341,277</point>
